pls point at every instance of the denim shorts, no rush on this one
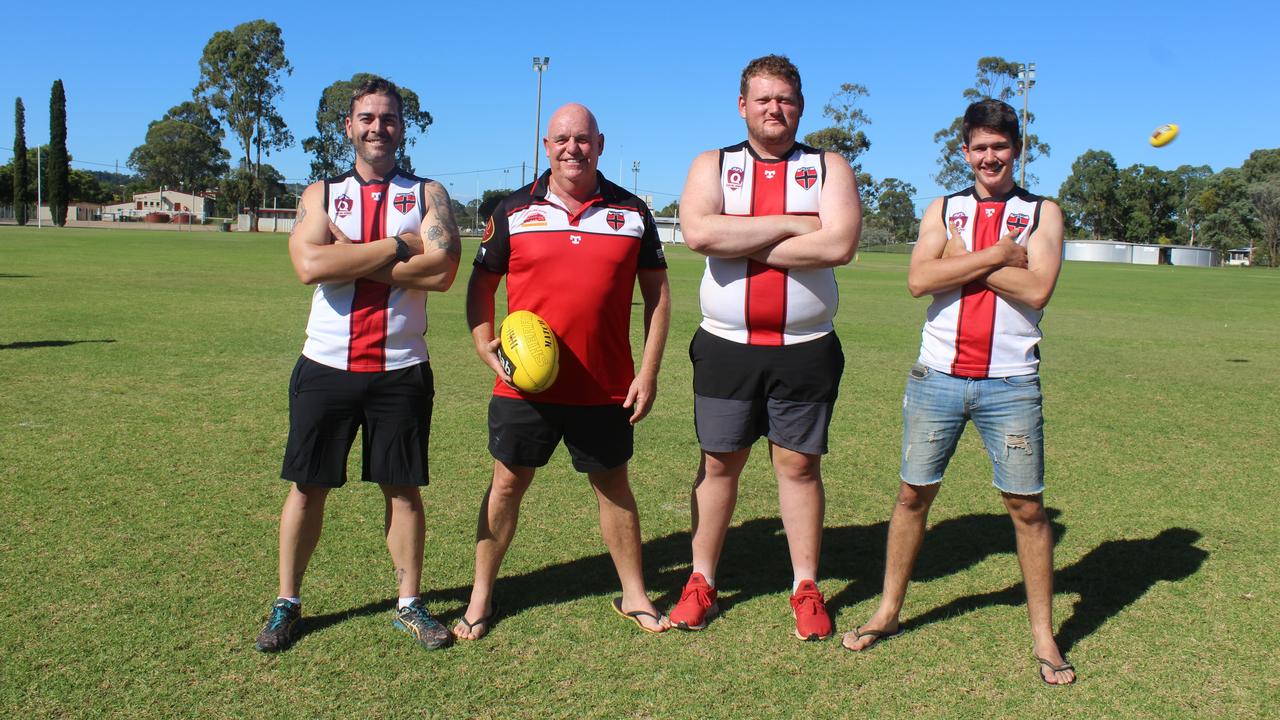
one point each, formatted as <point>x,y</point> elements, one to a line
<point>1006,411</point>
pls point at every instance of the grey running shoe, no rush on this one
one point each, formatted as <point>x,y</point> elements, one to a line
<point>282,628</point>
<point>415,620</point>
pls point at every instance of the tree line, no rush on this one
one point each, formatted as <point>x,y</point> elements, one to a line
<point>241,73</point>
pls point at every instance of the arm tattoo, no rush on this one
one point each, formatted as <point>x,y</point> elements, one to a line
<point>297,223</point>
<point>444,233</point>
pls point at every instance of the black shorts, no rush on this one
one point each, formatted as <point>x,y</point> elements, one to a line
<point>787,392</point>
<point>522,432</point>
<point>391,408</point>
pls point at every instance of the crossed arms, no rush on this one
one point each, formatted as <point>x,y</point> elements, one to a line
<point>322,253</point>
<point>782,241</point>
<point>1027,275</point>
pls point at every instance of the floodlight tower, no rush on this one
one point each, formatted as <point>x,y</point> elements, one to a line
<point>539,64</point>
<point>1026,81</point>
<point>635,175</point>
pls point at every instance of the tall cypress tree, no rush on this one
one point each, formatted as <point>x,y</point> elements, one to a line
<point>20,198</point>
<point>59,164</point>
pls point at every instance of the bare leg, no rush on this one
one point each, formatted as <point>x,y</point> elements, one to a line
<point>620,528</point>
<point>715,493</point>
<point>906,534</point>
<point>496,526</point>
<point>802,503</point>
<point>406,529</point>
<point>301,519</point>
<point>1035,555</point>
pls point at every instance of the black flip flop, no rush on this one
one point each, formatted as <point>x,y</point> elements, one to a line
<point>486,621</point>
<point>1066,665</point>
<point>881,636</point>
<point>635,615</point>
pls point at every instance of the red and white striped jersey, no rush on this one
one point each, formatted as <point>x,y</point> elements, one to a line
<point>365,325</point>
<point>747,301</point>
<point>972,331</point>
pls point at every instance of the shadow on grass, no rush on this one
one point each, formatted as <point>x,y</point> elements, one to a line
<point>12,275</point>
<point>1109,578</point>
<point>28,344</point>
<point>755,563</point>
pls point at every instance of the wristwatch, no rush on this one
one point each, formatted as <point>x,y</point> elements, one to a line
<point>403,253</point>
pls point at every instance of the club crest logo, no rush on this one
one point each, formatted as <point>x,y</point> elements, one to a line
<point>342,206</point>
<point>806,177</point>
<point>534,219</point>
<point>615,220</point>
<point>768,174</point>
<point>733,178</point>
<point>404,202</point>
<point>1017,222</point>
<point>488,231</point>
<point>959,219</point>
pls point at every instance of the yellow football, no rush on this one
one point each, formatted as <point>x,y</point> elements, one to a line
<point>529,352</point>
<point>1164,135</point>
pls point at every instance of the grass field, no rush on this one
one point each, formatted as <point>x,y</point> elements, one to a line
<point>143,415</point>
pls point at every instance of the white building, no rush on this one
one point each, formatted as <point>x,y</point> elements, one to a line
<point>165,201</point>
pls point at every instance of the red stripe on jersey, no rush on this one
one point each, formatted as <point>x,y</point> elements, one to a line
<point>367,351</point>
<point>975,327</point>
<point>766,296</point>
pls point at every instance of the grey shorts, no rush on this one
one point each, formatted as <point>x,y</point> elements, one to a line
<point>786,393</point>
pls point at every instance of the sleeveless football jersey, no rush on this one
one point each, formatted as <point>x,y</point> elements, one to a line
<point>365,325</point>
<point>747,301</point>
<point>972,331</point>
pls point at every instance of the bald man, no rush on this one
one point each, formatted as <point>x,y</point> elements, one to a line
<point>572,247</point>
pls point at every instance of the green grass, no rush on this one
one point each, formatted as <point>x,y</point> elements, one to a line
<point>143,415</point>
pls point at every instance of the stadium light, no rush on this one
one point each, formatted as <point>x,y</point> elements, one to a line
<point>539,64</point>
<point>1026,81</point>
<point>635,174</point>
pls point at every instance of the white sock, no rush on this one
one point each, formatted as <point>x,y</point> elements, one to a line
<point>294,600</point>
<point>405,602</point>
<point>795,584</point>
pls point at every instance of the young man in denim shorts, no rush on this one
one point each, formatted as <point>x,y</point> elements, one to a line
<point>989,255</point>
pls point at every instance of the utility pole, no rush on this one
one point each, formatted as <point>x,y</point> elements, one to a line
<point>539,64</point>
<point>1026,81</point>
<point>635,174</point>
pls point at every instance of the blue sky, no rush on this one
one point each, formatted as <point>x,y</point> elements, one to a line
<point>662,77</point>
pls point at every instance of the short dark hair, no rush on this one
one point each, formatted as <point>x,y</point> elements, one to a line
<point>374,85</point>
<point>778,66</point>
<point>994,115</point>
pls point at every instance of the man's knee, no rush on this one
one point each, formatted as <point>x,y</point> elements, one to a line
<point>796,467</point>
<point>917,498</point>
<point>1026,509</point>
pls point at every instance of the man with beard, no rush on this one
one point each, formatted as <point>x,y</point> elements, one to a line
<point>373,241</point>
<point>773,217</point>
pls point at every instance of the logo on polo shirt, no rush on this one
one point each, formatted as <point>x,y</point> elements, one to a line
<point>959,219</point>
<point>615,220</point>
<point>575,239</point>
<point>534,219</point>
<point>768,174</point>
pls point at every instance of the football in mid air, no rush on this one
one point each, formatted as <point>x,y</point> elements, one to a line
<point>530,353</point>
<point>1164,135</point>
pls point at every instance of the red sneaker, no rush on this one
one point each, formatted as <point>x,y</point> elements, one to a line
<point>812,620</point>
<point>697,604</point>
